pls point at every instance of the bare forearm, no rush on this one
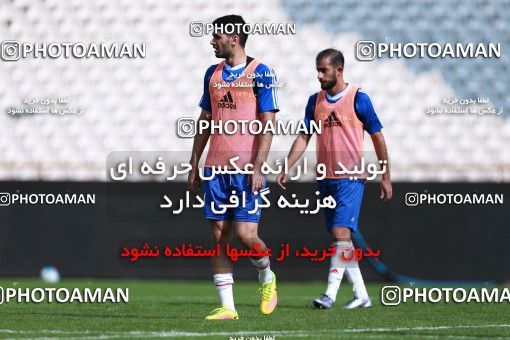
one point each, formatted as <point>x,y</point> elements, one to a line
<point>265,140</point>
<point>298,149</point>
<point>200,141</point>
<point>382,151</point>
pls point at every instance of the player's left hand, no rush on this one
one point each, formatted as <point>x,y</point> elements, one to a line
<point>281,179</point>
<point>194,181</point>
<point>257,181</point>
<point>386,190</point>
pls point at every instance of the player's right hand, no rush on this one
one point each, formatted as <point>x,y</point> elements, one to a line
<point>386,189</point>
<point>281,179</point>
<point>194,182</point>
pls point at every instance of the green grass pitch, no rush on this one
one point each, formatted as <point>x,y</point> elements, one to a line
<point>159,308</point>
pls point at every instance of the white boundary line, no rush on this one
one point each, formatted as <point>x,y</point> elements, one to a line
<point>88,334</point>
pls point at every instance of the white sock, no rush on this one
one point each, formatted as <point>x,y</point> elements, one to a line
<point>336,269</point>
<point>334,279</point>
<point>358,285</point>
<point>262,265</point>
<point>356,279</point>
<point>224,284</point>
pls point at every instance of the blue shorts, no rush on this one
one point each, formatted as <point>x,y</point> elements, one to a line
<point>348,195</point>
<point>218,191</point>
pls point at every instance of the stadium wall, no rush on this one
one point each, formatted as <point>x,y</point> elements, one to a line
<point>446,242</point>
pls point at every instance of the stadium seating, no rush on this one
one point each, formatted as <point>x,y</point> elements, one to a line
<point>134,104</point>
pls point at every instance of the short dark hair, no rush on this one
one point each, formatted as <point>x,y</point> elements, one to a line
<point>236,21</point>
<point>336,58</point>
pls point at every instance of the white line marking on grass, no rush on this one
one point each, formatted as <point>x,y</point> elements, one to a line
<point>88,334</point>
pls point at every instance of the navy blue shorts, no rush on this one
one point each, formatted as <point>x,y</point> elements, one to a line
<point>218,191</point>
<point>348,195</point>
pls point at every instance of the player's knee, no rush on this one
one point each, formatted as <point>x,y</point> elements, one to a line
<point>246,238</point>
<point>341,234</point>
<point>218,233</point>
<point>221,238</point>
